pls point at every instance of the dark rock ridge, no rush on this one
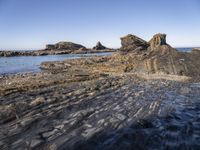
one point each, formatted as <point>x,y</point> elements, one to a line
<point>99,46</point>
<point>64,46</point>
<point>57,49</point>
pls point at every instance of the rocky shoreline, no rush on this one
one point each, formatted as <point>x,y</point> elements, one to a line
<point>145,96</point>
<point>59,49</point>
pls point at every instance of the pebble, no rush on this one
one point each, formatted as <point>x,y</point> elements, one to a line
<point>121,117</point>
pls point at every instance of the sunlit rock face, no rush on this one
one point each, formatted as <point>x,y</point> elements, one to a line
<point>157,40</point>
<point>156,56</point>
<point>133,43</point>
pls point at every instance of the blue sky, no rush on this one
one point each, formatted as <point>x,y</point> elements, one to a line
<point>30,24</point>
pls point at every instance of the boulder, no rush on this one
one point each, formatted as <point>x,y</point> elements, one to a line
<point>133,43</point>
<point>68,46</point>
<point>157,40</point>
<point>99,46</point>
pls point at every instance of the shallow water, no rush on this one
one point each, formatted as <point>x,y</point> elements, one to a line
<point>185,49</point>
<point>21,64</point>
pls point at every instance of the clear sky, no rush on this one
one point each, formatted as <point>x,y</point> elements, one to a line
<point>30,24</point>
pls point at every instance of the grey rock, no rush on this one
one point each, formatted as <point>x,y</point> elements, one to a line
<point>35,142</point>
<point>99,46</point>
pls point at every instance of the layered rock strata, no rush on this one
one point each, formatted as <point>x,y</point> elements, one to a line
<point>133,43</point>
<point>159,57</point>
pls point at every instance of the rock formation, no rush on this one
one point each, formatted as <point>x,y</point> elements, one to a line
<point>68,46</point>
<point>58,49</point>
<point>133,43</point>
<point>157,40</point>
<point>99,46</point>
<point>159,57</point>
<point>105,102</point>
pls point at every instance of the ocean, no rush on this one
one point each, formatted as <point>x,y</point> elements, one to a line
<point>185,49</point>
<point>21,64</point>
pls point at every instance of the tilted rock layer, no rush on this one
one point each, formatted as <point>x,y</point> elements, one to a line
<point>132,42</point>
<point>159,57</point>
<point>157,40</point>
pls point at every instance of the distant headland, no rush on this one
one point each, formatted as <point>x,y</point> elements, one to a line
<point>59,49</point>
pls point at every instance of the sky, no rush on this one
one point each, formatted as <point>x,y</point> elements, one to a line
<point>31,24</point>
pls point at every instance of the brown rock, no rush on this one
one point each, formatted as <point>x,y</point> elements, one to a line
<point>132,43</point>
<point>196,51</point>
<point>157,40</point>
<point>37,101</point>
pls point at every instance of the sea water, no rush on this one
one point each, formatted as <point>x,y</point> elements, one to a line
<point>20,64</point>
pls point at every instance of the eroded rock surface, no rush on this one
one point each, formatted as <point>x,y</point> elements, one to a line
<point>110,112</point>
<point>157,40</point>
<point>133,43</point>
<point>158,57</point>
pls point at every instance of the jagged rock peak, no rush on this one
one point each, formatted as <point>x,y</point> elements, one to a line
<point>132,43</point>
<point>157,40</point>
<point>99,46</point>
